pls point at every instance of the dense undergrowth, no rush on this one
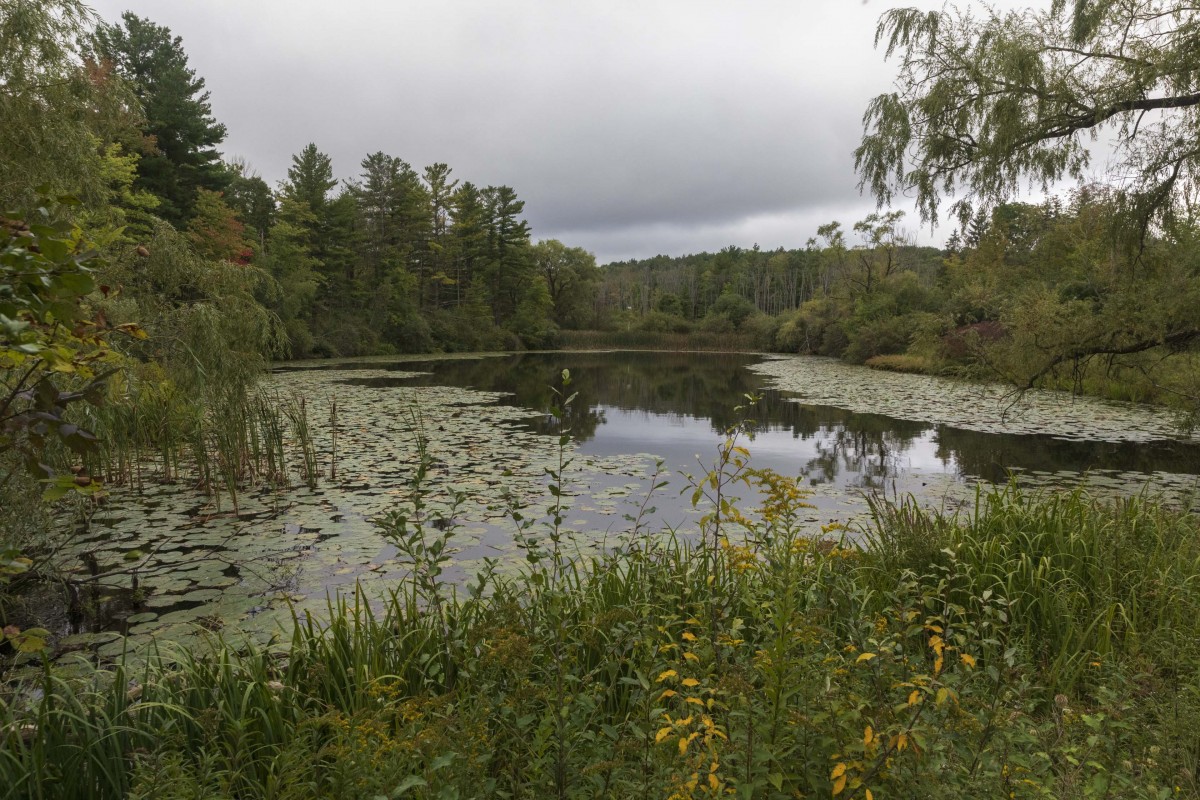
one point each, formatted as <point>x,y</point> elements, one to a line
<point>655,340</point>
<point>1037,646</point>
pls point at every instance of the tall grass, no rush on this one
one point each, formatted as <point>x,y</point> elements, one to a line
<point>1086,579</point>
<point>222,444</point>
<point>766,661</point>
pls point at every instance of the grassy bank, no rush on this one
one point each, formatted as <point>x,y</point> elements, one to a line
<point>1041,646</point>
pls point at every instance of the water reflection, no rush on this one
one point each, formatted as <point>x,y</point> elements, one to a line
<point>676,406</point>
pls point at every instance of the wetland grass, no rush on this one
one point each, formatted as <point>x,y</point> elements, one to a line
<point>763,660</point>
<point>236,441</point>
<point>297,414</point>
<point>1086,581</point>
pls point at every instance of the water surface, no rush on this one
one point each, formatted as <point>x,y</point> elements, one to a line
<point>677,405</point>
<point>487,428</point>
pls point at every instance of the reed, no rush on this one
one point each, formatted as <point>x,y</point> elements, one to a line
<point>223,444</point>
<point>297,413</point>
<point>767,660</point>
<point>333,438</point>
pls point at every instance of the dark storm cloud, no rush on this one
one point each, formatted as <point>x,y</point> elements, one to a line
<point>629,129</point>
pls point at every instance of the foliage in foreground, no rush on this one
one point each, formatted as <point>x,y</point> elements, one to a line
<point>774,665</point>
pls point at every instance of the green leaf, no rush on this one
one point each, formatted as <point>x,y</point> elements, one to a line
<point>443,761</point>
<point>411,782</point>
<point>77,283</point>
<point>32,640</point>
<point>54,249</point>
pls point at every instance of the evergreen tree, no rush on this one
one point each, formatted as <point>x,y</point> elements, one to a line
<point>184,135</point>
<point>309,183</point>
<point>393,209</point>
<point>977,228</point>
<point>252,199</point>
<point>441,193</point>
<point>509,267</point>
<point>469,238</point>
<point>310,178</point>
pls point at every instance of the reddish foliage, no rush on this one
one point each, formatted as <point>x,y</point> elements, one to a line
<point>959,342</point>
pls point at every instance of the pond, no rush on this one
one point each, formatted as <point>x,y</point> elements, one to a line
<point>845,430</point>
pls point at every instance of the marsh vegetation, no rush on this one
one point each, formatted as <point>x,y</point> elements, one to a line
<point>1008,649</point>
<point>224,572</point>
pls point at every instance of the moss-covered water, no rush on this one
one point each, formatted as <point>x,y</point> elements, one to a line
<point>201,568</point>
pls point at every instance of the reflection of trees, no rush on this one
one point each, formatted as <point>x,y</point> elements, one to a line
<point>991,455</point>
<point>871,446</point>
<point>702,386</point>
<point>709,386</point>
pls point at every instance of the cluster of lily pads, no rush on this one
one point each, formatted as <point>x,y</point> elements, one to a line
<point>199,568</point>
<point>984,407</point>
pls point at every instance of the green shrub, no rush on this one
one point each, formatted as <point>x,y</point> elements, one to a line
<point>762,329</point>
<point>662,322</point>
<point>886,336</point>
<point>734,307</point>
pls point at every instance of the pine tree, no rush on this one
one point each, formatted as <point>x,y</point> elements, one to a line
<point>309,184</point>
<point>252,199</point>
<point>509,265</point>
<point>469,237</point>
<point>183,134</point>
<point>440,192</point>
<point>393,209</point>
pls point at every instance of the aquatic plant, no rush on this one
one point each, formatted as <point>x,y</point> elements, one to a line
<point>841,673</point>
<point>966,405</point>
<point>758,655</point>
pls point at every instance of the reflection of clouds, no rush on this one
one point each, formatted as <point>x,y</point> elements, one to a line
<point>830,454</point>
<point>926,456</point>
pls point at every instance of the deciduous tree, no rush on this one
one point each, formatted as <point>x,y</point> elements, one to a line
<point>61,115</point>
<point>986,101</point>
<point>570,275</point>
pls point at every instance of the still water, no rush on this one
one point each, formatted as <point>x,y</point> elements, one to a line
<point>677,406</point>
<point>846,431</point>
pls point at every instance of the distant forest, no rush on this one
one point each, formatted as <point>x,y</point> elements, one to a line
<point>206,255</point>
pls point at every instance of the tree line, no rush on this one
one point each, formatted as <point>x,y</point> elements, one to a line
<point>395,259</point>
<point>411,259</point>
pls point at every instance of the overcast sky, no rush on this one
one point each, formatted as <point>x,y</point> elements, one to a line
<point>629,129</point>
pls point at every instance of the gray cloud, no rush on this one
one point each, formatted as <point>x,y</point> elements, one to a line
<point>629,129</point>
